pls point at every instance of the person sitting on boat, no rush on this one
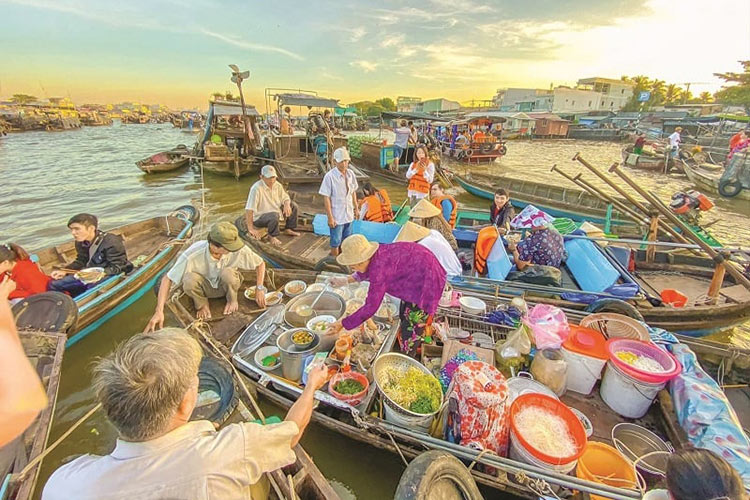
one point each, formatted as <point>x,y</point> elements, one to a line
<point>501,211</point>
<point>640,141</point>
<point>698,474</point>
<point>445,202</point>
<point>267,202</point>
<point>17,265</point>
<point>94,248</point>
<point>737,138</point>
<point>148,389</point>
<point>428,215</point>
<point>22,395</point>
<point>210,269</point>
<point>339,190</point>
<point>739,146</point>
<point>376,205</point>
<point>421,173</point>
<point>543,247</point>
<point>435,243</point>
<point>407,271</point>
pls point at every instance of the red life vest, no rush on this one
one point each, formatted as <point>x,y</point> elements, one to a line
<point>378,207</point>
<point>438,202</point>
<point>485,241</point>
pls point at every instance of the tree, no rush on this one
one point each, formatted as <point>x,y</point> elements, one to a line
<point>658,92</point>
<point>672,94</point>
<point>386,103</point>
<point>217,96</point>
<point>23,98</point>
<point>705,97</point>
<point>640,83</point>
<point>738,92</point>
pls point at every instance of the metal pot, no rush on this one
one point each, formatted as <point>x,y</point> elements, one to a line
<point>329,303</point>
<point>292,358</point>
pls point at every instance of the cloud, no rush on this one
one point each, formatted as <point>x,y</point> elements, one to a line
<point>238,42</point>
<point>366,66</point>
<point>356,34</point>
<point>393,41</point>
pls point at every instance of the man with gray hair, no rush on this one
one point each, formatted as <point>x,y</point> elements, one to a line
<point>148,388</point>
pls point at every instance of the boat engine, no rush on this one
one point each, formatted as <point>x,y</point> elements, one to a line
<point>689,205</point>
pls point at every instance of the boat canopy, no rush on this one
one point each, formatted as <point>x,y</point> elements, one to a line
<point>484,118</point>
<point>308,100</point>
<point>226,108</point>
<point>411,115</point>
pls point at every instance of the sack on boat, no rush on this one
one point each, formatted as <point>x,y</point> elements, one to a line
<point>538,275</point>
<point>477,408</point>
<point>549,326</point>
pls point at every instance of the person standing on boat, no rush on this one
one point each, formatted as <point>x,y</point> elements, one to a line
<point>339,190</point>
<point>421,173</point>
<point>94,248</point>
<point>428,215</point>
<point>736,139</point>
<point>413,134</point>
<point>148,389</point>
<point>501,211</point>
<point>435,243</point>
<point>445,202</point>
<point>267,202</point>
<point>210,269</point>
<point>407,271</point>
<point>543,247</point>
<point>674,143</point>
<point>400,143</point>
<point>376,205</point>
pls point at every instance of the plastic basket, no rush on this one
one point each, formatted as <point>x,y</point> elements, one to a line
<point>352,399</point>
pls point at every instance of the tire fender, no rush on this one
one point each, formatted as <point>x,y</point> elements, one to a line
<point>432,468</point>
<point>614,306</point>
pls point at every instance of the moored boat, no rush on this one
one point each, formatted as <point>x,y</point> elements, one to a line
<point>364,421</point>
<point>166,161</point>
<point>151,245</point>
<point>709,178</point>
<point>45,352</point>
<point>645,161</point>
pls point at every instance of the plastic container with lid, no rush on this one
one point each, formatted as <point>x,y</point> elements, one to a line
<point>585,352</point>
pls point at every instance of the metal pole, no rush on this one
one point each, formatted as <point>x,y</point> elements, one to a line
<point>669,244</point>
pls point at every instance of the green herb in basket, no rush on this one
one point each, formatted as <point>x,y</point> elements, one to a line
<point>423,405</point>
<point>349,386</point>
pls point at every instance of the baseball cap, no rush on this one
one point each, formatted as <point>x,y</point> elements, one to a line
<point>268,171</point>
<point>226,236</point>
<point>341,154</point>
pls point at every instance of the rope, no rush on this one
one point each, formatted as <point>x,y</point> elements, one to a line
<point>198,326</point>
<point>398,449</point>
<point>478,458</point>
<point>51,447</point>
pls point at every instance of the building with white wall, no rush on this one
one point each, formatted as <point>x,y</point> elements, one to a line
<point>614,93</point>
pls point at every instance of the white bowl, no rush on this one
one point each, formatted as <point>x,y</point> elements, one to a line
<point>316,287</point>
<point>472,305</point>
<point>317,319</point>
<point>261,353</point>
<point>297,283</point>
<point>273,298</point>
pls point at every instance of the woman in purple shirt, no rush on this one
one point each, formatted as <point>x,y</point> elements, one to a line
<point>407,271</point>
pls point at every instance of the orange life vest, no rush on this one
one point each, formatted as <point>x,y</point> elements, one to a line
<point>418,182</point>
<point>485,241</point>
<point>378,207</point>
<point>438,202</point>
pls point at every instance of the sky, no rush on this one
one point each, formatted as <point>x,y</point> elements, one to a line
<point>176,52</point>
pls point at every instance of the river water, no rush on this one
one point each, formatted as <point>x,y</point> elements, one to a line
<point>49,176</point>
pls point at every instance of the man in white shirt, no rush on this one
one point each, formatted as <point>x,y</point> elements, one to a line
<point>148,388</point>
<point>674,142</point>
<point>435,243</point>
<point>339,190</point>
<point>210,269</point>
<point>403,133</point>
<point>266,204</point>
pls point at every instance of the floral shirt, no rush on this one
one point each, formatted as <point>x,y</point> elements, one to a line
<point>408,271</point>
<point>544,248</point>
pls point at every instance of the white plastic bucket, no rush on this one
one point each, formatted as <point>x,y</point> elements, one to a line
<point>420,424</point>
<point>627,396</point>
<point>519,453</point>
<point>583,371</point>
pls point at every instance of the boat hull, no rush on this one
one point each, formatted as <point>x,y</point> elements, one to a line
<point>710,183</point>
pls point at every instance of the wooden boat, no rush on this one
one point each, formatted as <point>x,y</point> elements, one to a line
<point>648,161</point>
<point>151,245</point>
<point>224,148</point>
<point>376,158</point>
<point>481,147</point>
<point>707,179</point>
<point>45,352</point>
<point>297,164</point>
<point>363,423</point>
<point>166,161</point>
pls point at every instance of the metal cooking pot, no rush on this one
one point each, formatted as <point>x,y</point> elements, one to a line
<point>292,358</point>
<point>329,303</point>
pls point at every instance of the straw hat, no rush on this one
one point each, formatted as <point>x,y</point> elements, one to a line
<point>424,209</point>
<point>412,232</point>
<point>356,249</point>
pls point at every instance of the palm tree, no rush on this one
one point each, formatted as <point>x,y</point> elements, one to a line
<point>672,94</point>
<point>705,97</point>
<point>657,92</point>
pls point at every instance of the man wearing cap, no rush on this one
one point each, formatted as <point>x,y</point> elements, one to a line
<point>210,269</point>
<point>266,204</point>
<point>428,215</point>
<point>407,271</point>
<point>435,243</point>
<point>339,190</point>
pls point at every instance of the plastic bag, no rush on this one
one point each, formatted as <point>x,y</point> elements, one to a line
<point>511,354</point>
<point>538,275</point>
<point>549,326</point>
<point>550,369</point>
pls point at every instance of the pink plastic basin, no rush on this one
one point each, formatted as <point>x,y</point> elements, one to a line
<point>668,362</point>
